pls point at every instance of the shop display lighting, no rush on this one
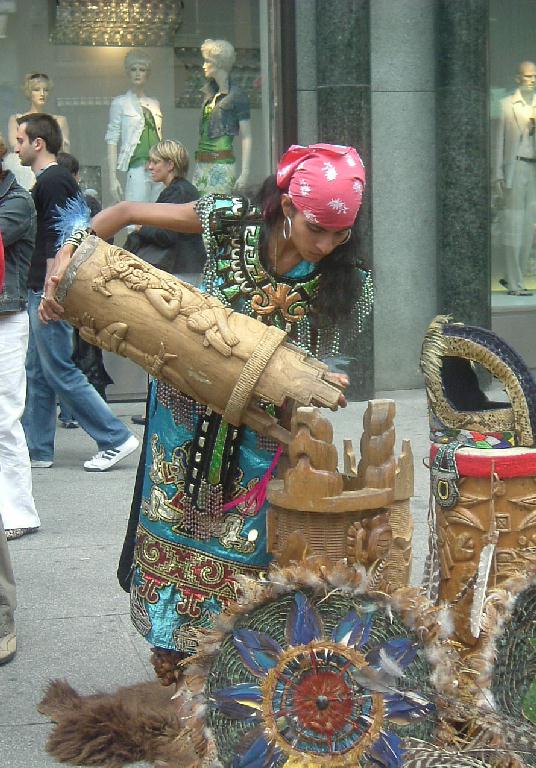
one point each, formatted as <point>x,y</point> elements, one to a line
<point>116,22</point>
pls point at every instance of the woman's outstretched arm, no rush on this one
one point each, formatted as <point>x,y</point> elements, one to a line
<point>180,217</point>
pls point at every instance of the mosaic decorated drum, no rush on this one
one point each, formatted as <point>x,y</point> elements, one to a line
<point>188,338</point>
<point>305,680</point>
<point>504,667</point>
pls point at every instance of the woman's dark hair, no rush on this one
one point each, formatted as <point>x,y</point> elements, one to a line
<point>340,279</point>
<point>68,161</point>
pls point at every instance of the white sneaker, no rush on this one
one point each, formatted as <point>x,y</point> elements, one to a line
<point>8,647</point>
<point>37,464</point>
<point>104,460</point>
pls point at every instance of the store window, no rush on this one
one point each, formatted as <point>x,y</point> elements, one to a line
<point>98,65</point>
<point>513,154</point>
<point>120,74</point>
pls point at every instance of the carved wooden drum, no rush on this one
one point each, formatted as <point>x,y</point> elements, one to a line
<point>191,340</point>
<point>485,535</point>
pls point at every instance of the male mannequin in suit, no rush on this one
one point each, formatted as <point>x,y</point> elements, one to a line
<point>515,176</point>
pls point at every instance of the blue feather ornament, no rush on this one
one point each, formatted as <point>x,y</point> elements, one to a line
<point>353,630</point>
<point>400,649</point>
<point>73,215</point>
<point>261,754</point>
<point>303,623</point>
<point>239,702</point>
<point>258,651</point>
<point>404,707</point>
<point>387,751</point>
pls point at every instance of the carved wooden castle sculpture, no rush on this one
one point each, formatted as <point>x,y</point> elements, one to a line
<point>361,514</point>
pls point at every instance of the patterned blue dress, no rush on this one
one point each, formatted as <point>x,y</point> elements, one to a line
<point>191,544</point>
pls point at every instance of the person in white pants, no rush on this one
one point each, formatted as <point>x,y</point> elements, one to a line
<point>17,228</point>
<point>17,506</point>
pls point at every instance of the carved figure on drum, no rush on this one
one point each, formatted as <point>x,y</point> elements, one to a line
<point>297,239</point>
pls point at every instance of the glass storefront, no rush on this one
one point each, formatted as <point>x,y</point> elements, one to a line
<point>85,78</point>
<point>512,80</point>
<point>513,151</point>
<point>83,62</point>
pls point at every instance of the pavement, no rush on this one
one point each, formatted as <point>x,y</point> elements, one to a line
<point>73,618</point>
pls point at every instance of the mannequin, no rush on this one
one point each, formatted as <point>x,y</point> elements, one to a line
<point>225,115</point>
<point>36,87</point>
<point>135,125</point>
<point>515,177</point>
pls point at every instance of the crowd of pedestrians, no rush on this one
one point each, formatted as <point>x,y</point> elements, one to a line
<point>40,368</point>
<point>36,365</point>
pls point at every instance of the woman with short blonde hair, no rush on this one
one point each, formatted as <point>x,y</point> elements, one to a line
<point>181,254</point>
<point>172,152</point>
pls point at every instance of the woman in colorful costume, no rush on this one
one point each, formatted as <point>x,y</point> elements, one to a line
<point>290,260</point>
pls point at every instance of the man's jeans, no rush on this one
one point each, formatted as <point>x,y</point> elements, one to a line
<point>52,375</point>
<point>17,507</point>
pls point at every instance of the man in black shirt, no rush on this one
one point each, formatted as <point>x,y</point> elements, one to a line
<point>50,370</point>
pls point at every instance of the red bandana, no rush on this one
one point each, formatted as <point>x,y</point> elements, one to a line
<point>325,182</point>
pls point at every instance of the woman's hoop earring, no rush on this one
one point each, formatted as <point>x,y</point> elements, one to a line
<point>287,228</point>
<point>348,236</point>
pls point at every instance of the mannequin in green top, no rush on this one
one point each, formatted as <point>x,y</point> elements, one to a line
<point>225,115</point>
<point>135,125</point>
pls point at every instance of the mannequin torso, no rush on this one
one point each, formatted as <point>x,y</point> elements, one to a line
<point>225,115</point>
<point>37,89</point>
<point>135,124</point>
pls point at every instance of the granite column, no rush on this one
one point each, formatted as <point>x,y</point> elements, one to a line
<point>343,98</point>
<point>463,235</point>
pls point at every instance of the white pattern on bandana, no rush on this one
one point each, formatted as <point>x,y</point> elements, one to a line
<point>310,216</point>
<point>329,171</point>
<point>305,189</point>
<point>338,205</point>
<point>284,170</point>
<point>357,186</point>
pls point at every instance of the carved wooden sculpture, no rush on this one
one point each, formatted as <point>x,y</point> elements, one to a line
<point>482,467</point>
<point>484,538</point>
<point>384,540</point>
<point>189,339</point>
<point>315,510</point>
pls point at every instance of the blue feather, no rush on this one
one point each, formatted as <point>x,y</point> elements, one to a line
<point>239,702</point>
<point>261,754</point>
<point>258,651</point>
<point>303,622</point>
<point>387,751</point>
<point>400,649</point>
<point>353,630</point>
<point>405,707</point>
<point>72,215</point>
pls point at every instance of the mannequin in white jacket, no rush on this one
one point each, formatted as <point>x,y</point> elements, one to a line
<point>135,124</point>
